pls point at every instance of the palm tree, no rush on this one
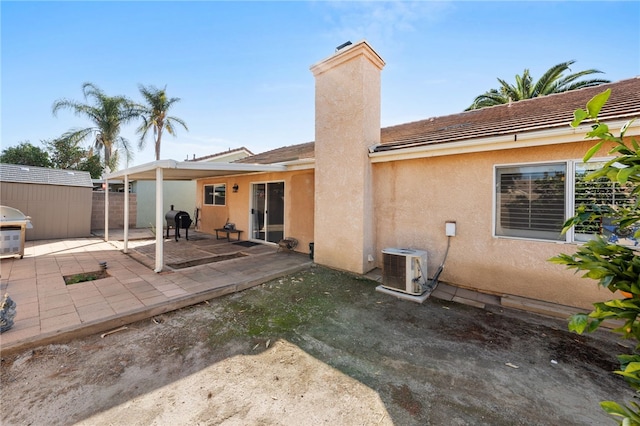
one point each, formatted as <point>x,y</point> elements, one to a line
<point>553,81</point>
<point>154,116</point>
<point>107,113</point>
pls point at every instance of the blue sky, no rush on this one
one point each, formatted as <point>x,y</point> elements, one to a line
<point>241,69</point>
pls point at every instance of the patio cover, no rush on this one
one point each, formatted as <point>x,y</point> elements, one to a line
<point>172,170</point>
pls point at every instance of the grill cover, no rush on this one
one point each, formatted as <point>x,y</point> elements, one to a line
<point>13,226</point>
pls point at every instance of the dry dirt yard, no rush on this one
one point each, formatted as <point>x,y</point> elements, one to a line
<point>320,347</point>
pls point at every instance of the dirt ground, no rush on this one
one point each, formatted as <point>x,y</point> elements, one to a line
<point>320,347</point>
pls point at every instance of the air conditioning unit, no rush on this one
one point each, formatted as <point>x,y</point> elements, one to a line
<point>404,270</point>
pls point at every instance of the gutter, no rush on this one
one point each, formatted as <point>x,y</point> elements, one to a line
<point>148,169</point>
<point>497,143</point>
<point>301,164</point>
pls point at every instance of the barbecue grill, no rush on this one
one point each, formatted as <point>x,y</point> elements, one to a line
<point>13,227</point>
<point>178,219</point>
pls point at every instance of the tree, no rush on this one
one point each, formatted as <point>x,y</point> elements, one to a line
<point>552,81</point>
<point>66,153</point>
<point>154,116</point>
<point>25,154</point>
<point>108,114</point>
<point>615,266</point>
<point>92,164</point>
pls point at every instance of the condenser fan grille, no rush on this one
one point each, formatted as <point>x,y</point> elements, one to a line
<point>394,271</point>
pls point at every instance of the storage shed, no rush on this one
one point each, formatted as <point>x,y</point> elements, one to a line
<point>58,201</point>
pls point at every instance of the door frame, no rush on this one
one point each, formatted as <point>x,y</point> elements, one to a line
<point>252,207</point>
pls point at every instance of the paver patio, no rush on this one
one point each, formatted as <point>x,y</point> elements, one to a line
<point>49,310</point>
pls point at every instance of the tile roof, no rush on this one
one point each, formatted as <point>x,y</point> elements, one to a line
<point>547,112</point>
<point>541,113</point>
<point>279,155</point>
<point>44,176</point>
<point>220,154</point>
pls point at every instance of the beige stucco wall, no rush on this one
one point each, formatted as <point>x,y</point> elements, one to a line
<point>56,211</point>
<point>298,204</point>
<point>414,199</point>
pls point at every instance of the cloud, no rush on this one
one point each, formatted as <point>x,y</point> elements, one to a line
<point>381,21</point>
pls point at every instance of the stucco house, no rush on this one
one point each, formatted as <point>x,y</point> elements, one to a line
<point>506,175</point>
<point>181,194</point>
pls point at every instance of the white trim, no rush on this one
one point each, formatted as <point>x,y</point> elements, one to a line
<point>106,210</point>
<point>495,143</point>
<point>251,207</point>
<point>126,215</point>
<point>570,185</point>
<point>570,198</point>
<point>302,164</point>
<point>191,170</point>
<point>214,185</point>
<point>495,218</point>
<point>159,220</point>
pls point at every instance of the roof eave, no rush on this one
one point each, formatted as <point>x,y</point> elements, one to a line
<point>300,164</point>
<point>552,136</point>
<point>188,170</point>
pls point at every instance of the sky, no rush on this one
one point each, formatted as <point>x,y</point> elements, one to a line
<point>241,69</point>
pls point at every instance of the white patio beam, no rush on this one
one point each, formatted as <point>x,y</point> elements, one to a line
<point>159,221</point>
<point>106,209</point>
<point>126,214</point>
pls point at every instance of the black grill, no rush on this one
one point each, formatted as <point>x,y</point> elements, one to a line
<point>178,219</point>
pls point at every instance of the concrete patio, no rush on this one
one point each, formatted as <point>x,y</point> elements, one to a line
<point>49,310</point>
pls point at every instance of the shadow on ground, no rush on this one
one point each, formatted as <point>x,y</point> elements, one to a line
<point>320,347</point>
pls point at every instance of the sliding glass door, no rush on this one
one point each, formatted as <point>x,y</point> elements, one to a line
<point>267,211</point>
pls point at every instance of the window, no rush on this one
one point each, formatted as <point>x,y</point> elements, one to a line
<point>534,200</point>
<point>599,192</point>
<point>215,195</point>
<point>531,201</point>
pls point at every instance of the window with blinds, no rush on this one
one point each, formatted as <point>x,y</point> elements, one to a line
<point>597,192</point>
<point>531,201</point>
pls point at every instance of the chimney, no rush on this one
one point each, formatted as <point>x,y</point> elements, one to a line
<point>347,123</point>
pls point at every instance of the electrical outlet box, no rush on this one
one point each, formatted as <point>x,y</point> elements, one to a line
<point>450,229</point>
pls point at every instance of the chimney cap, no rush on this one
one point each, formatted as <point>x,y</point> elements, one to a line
<point>343,45</point>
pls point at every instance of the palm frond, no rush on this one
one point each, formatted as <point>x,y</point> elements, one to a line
<point>552,81</point>
<point>154,115</point>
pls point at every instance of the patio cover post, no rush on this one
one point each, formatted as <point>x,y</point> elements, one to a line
<point>126,213</point>
<point>106,209</point>
<point>159,222</point>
